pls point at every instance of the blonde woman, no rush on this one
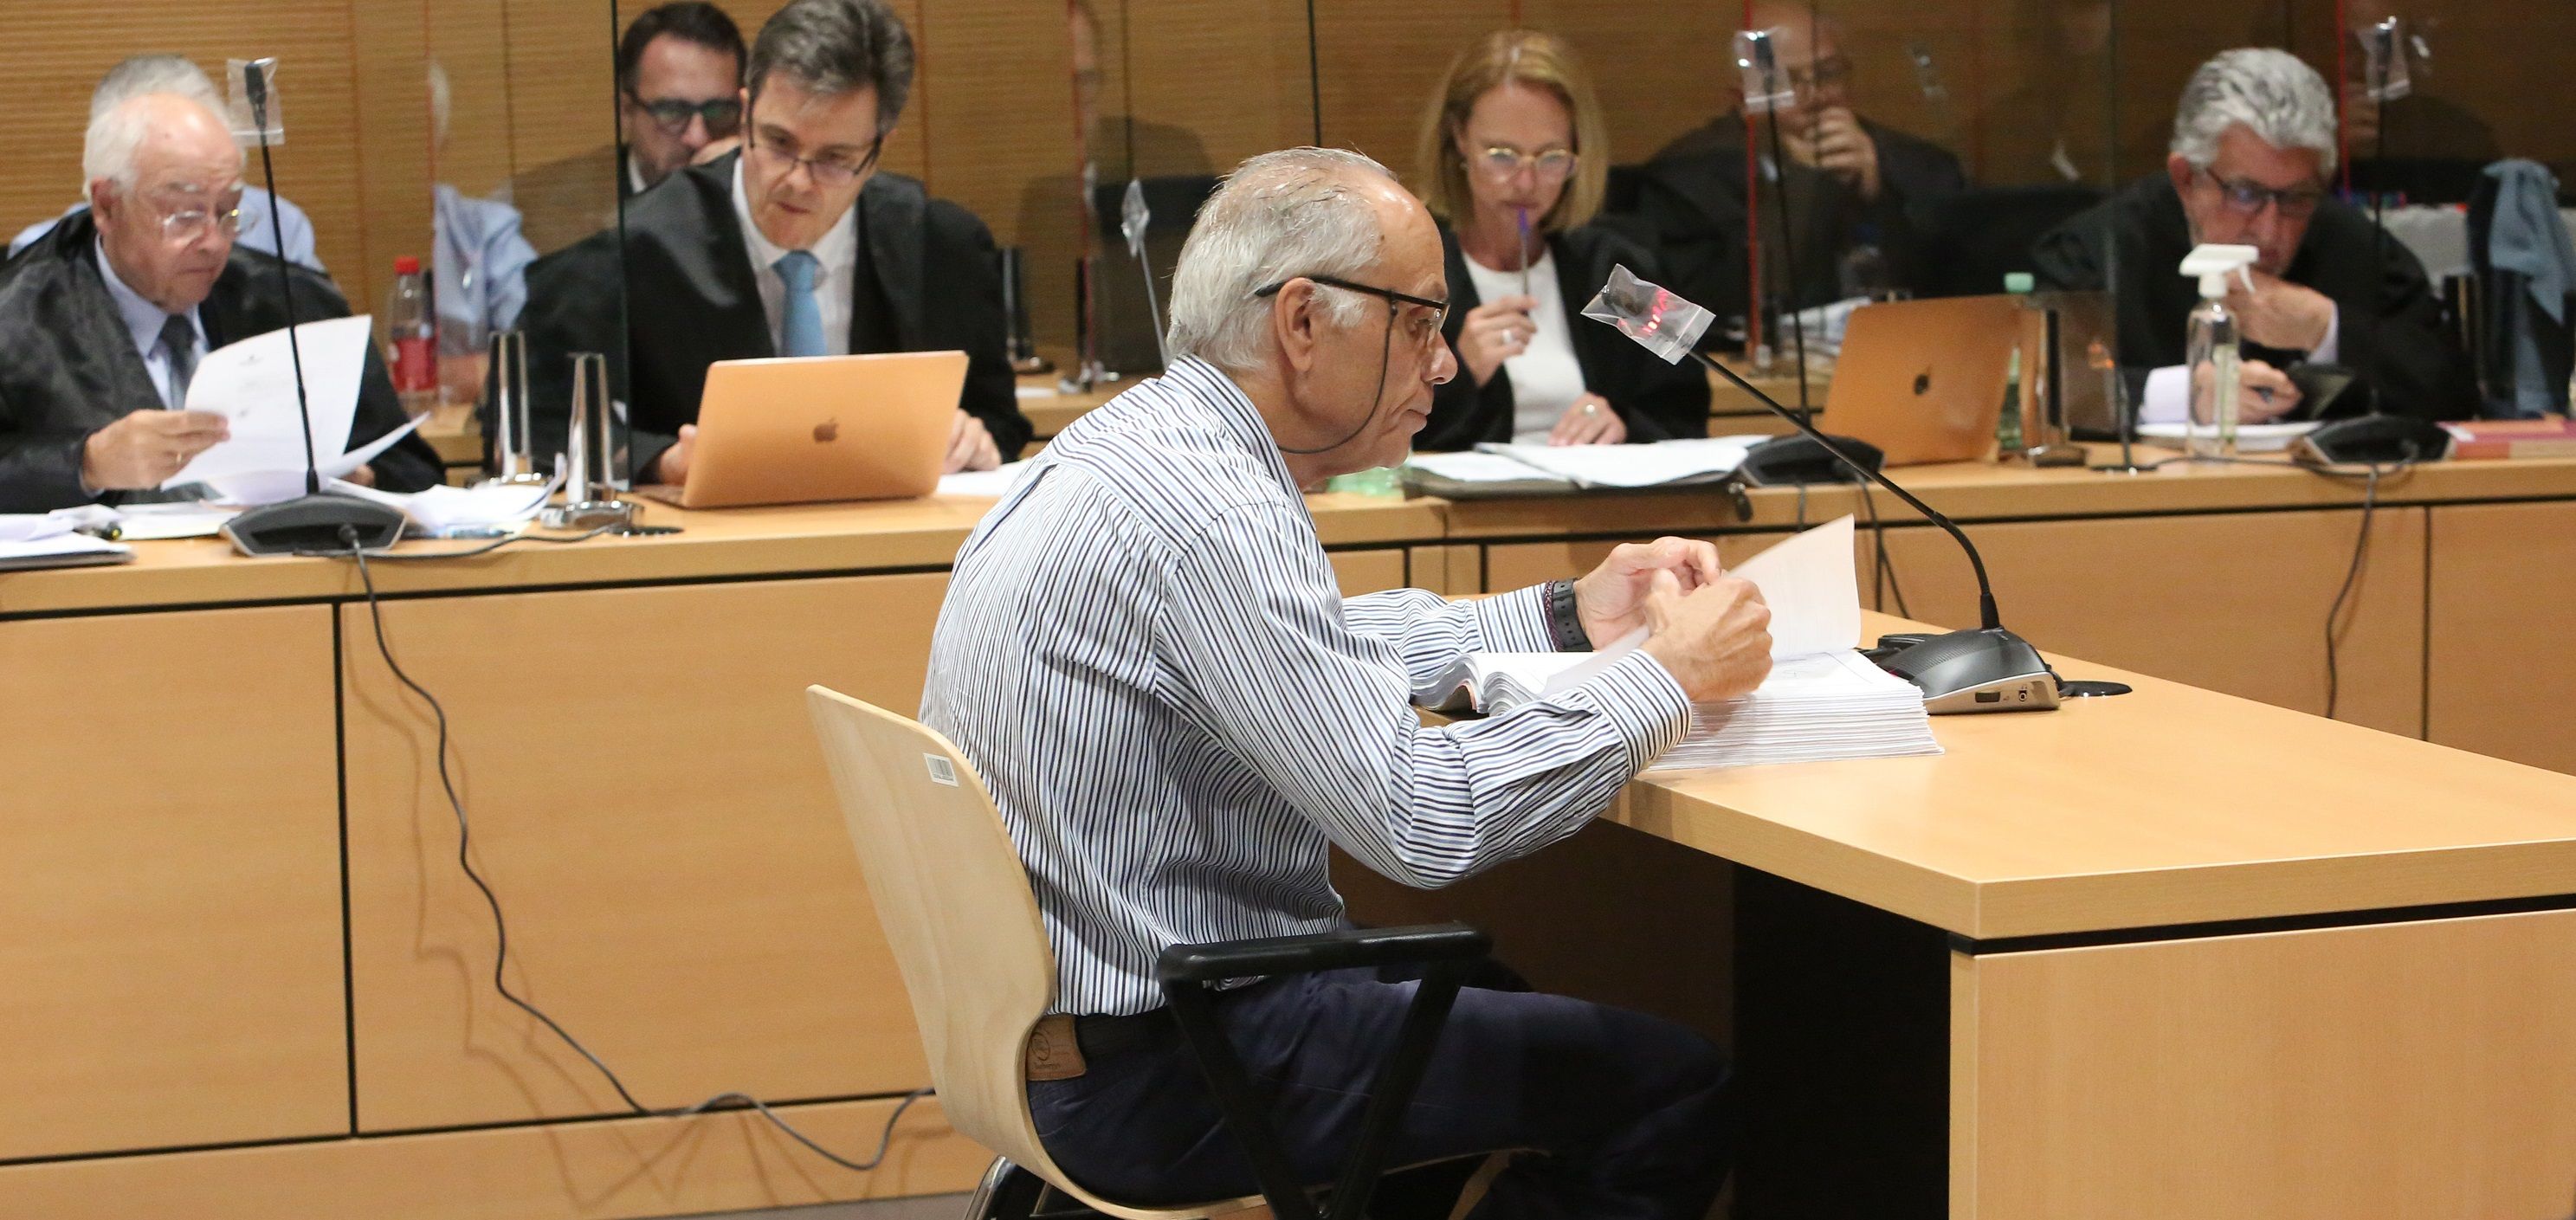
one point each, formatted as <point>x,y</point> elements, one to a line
<point>1514,158</point>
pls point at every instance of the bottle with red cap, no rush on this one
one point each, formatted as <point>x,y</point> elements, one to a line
<point>411,338</point>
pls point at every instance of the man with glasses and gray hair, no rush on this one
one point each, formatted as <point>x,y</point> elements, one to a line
<point>1144,653</point>
<point>160,73</point>
<point>794,245</point>
<point>2253,150</point>
<point>103,320</point>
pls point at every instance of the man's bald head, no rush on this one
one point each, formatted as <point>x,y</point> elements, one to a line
<point>164,180</point>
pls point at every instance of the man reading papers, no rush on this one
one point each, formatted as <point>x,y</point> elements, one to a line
<point>104,320</point>
<point>1144,654</point>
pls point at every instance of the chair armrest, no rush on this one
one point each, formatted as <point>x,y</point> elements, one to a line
<point>1239,959</point>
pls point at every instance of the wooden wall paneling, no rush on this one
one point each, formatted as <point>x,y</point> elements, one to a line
<point>1001,136</point>
<point>2497,669</point>
<point>2231,603</point>
<point>647,800</point>
<point>561,60</point>
<point>391,124</point>
<point>564,1171</point>
<point>1380,64</point>
<point>469,39</point>
<point>1234,76</point>
<point>172,883</point>
<point>2391,1071</point>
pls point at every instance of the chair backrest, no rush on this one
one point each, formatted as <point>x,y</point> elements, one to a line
<point>957,908</point>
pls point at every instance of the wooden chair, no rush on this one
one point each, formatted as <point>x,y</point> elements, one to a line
<point>966,933</point>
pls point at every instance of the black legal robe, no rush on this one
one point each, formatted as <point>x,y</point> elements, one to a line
<point>1690,197</point>
<point>1657,401</point>
<point>928,280</point>
<point>2390,328</point>
<point>68,366</point>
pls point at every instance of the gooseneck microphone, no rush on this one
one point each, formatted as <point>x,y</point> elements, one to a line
<point>1989,669</point>
<point>315,522</point>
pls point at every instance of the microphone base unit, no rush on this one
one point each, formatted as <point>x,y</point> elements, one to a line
<point>1787,461</point>
<point>312,524</point>
<point>1988,670</point>
<point>582,514</point>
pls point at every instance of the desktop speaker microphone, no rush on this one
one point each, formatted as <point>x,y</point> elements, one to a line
<point>312,522</point>
<point>1988,669</point>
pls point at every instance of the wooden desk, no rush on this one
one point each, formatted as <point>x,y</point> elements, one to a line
<point>256,983</point>
<point>2173,953</point>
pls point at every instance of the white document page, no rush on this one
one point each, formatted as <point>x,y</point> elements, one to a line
<point>1698,459</point>
<point>1814,594</point>
<point>252,385</point>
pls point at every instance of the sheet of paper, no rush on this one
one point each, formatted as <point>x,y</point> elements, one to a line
<point>1698,459</point>
<point>2250,438</point>
<point>1813,591</point>
<point>252,384</point>
<point>255,487</point>
<point>454,510</point>
<point>60,546</point>
<point>1479,467</point>
<point>155,522</point>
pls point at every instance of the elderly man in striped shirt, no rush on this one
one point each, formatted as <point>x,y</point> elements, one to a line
<point>1144,653</point>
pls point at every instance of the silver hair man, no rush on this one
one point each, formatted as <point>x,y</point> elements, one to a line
<point>2271,93</point>
<point>1295,212</point>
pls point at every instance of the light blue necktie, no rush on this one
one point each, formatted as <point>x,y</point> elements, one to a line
<point>802,335</point>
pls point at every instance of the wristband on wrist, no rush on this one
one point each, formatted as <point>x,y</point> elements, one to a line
<point>1564,621</point>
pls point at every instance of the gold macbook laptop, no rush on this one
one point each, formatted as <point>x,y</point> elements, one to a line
<point>801,430</point>
<point>1924,380</point>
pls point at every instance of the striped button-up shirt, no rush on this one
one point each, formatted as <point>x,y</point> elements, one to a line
<point>1145,655</point>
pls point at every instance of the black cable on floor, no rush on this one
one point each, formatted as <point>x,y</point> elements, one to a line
<point>501,926</point>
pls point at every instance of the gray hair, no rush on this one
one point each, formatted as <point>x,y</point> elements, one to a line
<point>117,135</point>
<point>1279,215</point>
<point>142,74</point>
<point>834,47</point>
<point>2271,93</point>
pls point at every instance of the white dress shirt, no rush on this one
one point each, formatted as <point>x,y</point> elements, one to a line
<point>143,321</point>
<point>835,281</point>
<point>1145,656</point>
<point>1546,379</point>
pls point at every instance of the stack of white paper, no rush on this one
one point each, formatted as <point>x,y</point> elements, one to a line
<point>1822,700</point>
<point>60,551</point>
<point>996,482</point>
<point>1500,469</point>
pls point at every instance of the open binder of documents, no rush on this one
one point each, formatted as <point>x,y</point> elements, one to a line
<point>1495,469</point>
<point>1822,700</point>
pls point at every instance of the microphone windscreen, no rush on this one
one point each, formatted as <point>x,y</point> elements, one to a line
<point>1663,323</point>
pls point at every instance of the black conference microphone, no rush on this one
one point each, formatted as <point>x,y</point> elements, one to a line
<point>1988,669</point>
<point>313,522</point>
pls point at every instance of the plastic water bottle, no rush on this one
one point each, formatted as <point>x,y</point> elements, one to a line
<point>2211,353</point>
<point>411,338</point>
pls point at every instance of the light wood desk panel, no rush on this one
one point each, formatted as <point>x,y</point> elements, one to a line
<point>608,1170</point>
<point>2386,1072</point>
<point>647,801</point>
<point>2167,806</point>
<point>2498,662</point>
<point>2234,603</point>
<point>171,882</point>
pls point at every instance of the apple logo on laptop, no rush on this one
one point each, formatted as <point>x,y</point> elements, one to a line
<point>1922,383</point>
<point>827,431</point>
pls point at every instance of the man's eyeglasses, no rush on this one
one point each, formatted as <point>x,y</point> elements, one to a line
<point>829,173</point>
<point>1425,328</point>
<point>1504,161</point>
<point>722,115</point>
<point>1831,72</point>
<point>194,224</point>
<point>2250,198</point>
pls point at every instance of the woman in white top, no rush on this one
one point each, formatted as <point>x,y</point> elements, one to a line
<point>1514,159</point>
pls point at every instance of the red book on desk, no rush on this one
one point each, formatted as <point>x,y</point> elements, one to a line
<point>2548,437</point>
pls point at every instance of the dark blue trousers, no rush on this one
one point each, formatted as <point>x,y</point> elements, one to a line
<point>1621,1115</point>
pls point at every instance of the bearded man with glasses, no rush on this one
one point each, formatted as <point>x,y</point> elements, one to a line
<point>2253,150</point>
<point>795,245</point>
<point>104,320</point>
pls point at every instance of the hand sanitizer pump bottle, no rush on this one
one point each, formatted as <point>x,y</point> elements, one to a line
<point>2211,353</point>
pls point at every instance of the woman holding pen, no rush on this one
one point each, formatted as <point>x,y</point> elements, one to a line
<point>1514,158</point>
